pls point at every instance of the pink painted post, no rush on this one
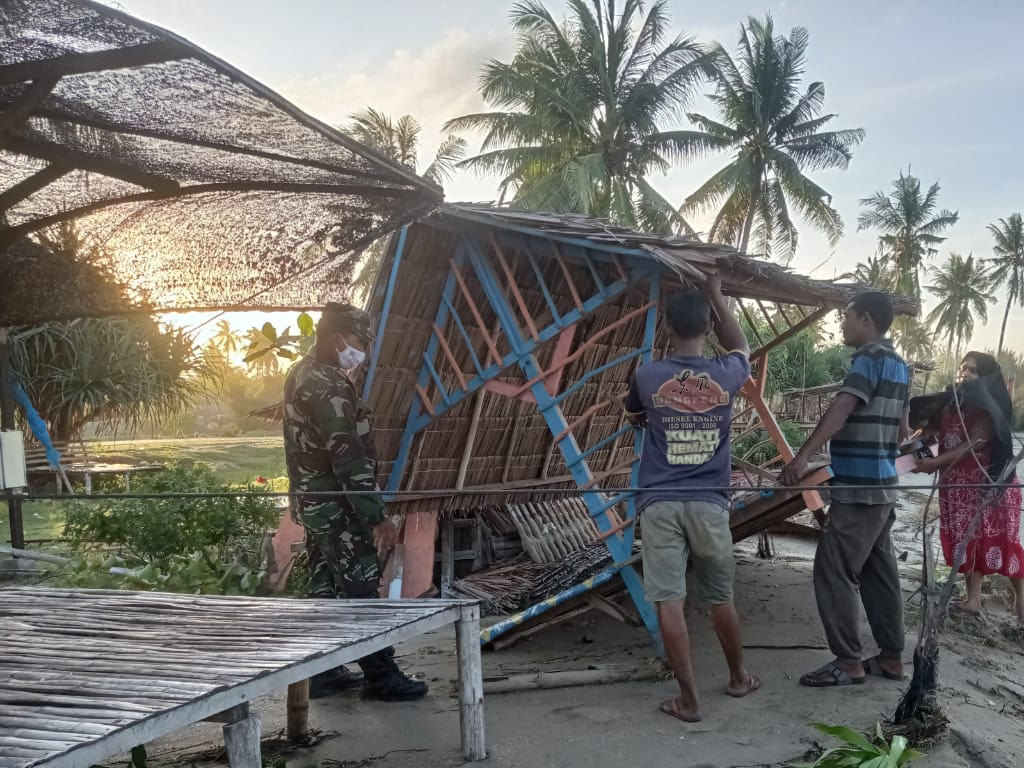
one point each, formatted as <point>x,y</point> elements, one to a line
<point>418,536</point>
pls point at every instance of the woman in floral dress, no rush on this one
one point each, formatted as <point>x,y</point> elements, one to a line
<point>975,445</point>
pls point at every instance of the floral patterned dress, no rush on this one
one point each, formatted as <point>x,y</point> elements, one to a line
<point>996,546</point>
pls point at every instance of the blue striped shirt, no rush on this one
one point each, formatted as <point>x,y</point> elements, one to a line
<point>864,451</point>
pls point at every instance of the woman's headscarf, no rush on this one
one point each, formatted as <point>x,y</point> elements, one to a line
<point>987,393</point>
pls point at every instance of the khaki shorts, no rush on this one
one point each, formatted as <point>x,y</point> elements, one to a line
<point>673,531</point>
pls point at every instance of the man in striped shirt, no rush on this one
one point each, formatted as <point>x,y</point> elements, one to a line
<point>865,424</point>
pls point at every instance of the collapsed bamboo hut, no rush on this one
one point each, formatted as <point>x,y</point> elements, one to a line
<point>504,334</point>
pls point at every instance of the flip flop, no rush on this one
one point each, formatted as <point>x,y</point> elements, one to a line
<point>829,676</point>
<point>669,708</point>
<point>873,667</point>
<point>753,684</point>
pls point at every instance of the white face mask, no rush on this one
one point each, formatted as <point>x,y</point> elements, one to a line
<point>350,358</point>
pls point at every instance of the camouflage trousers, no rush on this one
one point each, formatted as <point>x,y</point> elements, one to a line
<point>343,561</point>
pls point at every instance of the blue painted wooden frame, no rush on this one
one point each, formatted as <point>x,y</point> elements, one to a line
<point>468,252</point>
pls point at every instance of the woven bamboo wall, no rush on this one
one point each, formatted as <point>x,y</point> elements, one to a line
<point>513,447</point>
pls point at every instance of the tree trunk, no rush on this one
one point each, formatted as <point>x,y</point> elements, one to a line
<point>1002,332</point>
<point>748,224</point>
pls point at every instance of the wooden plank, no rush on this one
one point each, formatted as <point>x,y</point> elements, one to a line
<point>471,684</point>
<point>38,613</point>
<point>94,61</point>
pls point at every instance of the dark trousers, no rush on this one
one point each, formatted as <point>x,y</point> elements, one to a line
<point>855,553</point>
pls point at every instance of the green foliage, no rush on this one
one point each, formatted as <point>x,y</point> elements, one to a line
<point>196,546</point>
<point>266,344</point>
<point>585,112</point>
<point>120,372</point>
<point>909,225</point>
<point>808,359</point>
<point>773,132</point>
<point>148,530</point>
<point>963,288</point>
<point>858,752</point>
<point>116,371</point>
<point>758,448</point>
<point>1008,264</point>
<point>198,573</point>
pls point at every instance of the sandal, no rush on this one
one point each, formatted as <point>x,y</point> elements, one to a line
<point>872,666</point>
<point>829,676</point>
<point>671,708</point>
<point>753,684</point>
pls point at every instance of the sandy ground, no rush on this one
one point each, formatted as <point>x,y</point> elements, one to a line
<point>981,674</point>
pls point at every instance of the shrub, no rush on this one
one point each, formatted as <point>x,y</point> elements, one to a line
<point>761,448</point>
<point>195,545</point>
<point>143,530</point>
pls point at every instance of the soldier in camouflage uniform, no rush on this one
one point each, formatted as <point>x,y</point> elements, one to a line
<point>328,447</point>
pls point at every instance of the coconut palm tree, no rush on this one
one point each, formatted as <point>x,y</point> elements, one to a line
<point>963,288</point>
<point>398,140</point>
<point>874,273</point>
<point>586,111</point>
<point>775,134</point>
<point>226,340</point>
<point>916,341</point>
<point>1008,265</point>
<point>909,226</point>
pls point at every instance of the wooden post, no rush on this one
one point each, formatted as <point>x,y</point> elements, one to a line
<point>471,684</point>
<point>7,423</point>
<point>298,711</point>
<point>242,740</point>
<point>447,556</point>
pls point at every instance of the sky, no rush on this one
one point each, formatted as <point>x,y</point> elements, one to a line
<point>936,84</point>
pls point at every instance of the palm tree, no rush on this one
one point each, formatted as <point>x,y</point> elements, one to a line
<point>264,364</point>
<point>398,140</point>
<point>916,341</point>
<point>226,340</point>
<point>874,273</point>
<point>910,228</point>
<point>775,134</point>
<point>963,288</point>
<point>585,110</point>
<point>1008,265</point>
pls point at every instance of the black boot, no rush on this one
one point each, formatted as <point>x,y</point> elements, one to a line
<point>384,681</point>
<point>333,681</point>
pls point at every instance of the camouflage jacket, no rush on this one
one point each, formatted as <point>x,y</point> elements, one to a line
<point>327,437</point>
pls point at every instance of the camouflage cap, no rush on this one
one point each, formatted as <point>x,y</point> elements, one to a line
<point>345,318</point>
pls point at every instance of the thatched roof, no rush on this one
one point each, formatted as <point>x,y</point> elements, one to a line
<point>743,275</point>
<point>204,188</point>
<point>513,446</point>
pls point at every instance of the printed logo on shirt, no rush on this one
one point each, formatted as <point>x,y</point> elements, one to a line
<point>691,446</point>
<point>690,393</point>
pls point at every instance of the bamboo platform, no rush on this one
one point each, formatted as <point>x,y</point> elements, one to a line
<point>88,674</point>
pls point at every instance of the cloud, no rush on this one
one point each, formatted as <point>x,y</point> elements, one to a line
<point>433,84</point>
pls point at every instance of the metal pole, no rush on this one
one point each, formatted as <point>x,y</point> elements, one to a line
<point>6,424</point>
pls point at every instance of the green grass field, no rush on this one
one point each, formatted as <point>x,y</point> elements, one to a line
<point>236,460</point>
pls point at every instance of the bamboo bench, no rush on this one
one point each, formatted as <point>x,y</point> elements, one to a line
<point>90,674</point>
